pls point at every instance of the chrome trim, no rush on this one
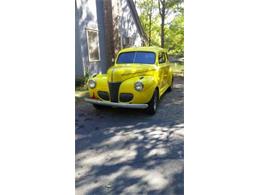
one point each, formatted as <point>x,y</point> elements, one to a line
<point>94,75</point>
<point>119,105</point>
<point>112,75</point>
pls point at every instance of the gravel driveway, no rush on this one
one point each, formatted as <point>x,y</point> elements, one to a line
<point>123,151</point>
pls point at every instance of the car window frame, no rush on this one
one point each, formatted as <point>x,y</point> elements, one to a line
<point>163,54</point>
<point>116,62</point>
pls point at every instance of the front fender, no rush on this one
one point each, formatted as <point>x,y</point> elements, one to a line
<point>101,80</point>
<point>140,97</point>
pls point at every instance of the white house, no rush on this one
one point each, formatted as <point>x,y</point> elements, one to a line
<point>102,27</point>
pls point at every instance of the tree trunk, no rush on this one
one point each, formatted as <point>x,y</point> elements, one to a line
<point>162,6</point>
<point>162,32</point>
<point>150,28</point>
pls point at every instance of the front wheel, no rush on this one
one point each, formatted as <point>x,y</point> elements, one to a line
<point>152,105</point>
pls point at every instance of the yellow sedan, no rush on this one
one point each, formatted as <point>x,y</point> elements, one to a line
<point>138,79</point>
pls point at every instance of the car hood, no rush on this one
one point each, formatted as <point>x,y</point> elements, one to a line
<point>119,73</point>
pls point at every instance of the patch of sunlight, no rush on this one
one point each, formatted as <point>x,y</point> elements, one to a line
<point>132,189</point>
<point>179,132</point>
<point>123,155</point>
<point>140,137</point>
<point>116,174</point>
<point>117,138</point>
<point>154,141</point>
<point>80,94</point>
<point>129,126</point>
<point>156,152</point>
<point>150,129</point>
<point>90,158</point>
<point>109,157</point>
<point>180,125</point>
<point>178,85</point>
<point>104,180</point>
<point>154,179</point>
<point>158,133</point>
<point>79,136</point>
<point>87,188</point>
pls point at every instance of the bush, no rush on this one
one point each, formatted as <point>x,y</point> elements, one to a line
<point>86,78</point>
<point>80,82</point>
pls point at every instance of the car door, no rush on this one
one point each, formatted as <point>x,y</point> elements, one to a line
<point>168,73</point>
<point>162,71</point>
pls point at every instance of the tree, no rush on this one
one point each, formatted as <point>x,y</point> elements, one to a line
<point>165,8</point>
<point>147,9</point>
<point>164,26</point>
<point>162,11</point>
<point>175,35</point>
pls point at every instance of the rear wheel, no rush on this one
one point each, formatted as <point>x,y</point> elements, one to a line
<point>171,86</point>
<point>152,105</point>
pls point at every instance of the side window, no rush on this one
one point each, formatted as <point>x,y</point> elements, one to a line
<point>93,45</point>
<point>161,58</point>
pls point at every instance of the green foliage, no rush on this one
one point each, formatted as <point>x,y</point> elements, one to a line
<point>148,18</point>
<point>173,27</point>
<point>81,82</point>
<point>175,36</point>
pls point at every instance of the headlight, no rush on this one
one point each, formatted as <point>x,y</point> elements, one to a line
<point>92,84</point>
<point>139,86</point>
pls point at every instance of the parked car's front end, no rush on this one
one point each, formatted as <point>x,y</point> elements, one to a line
<point>133,82</point>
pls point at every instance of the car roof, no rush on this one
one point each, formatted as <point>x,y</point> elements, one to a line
<point>150,48</point>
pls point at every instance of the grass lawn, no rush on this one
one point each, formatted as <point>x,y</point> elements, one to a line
<point>178,68</point>
<point>81,91</point>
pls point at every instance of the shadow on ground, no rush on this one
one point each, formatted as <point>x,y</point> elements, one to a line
<point>126,151</point>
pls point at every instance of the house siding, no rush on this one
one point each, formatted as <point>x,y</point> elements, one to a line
<point>89,16</point>
<point>128,26</point>
<point>79,70</point>
<point>100,66</point>
<point>115,24</point>
<point>124,26</point>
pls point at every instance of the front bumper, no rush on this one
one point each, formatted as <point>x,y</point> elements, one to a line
<point>118,105</point>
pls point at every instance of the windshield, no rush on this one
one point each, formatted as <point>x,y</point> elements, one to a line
<point>141,57</point>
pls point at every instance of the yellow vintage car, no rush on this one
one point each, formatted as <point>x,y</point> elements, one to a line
<point>138,79</point>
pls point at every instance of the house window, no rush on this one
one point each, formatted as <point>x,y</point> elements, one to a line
<point>93,45</point>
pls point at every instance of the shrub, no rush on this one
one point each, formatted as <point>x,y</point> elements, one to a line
<point>81,82</point>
